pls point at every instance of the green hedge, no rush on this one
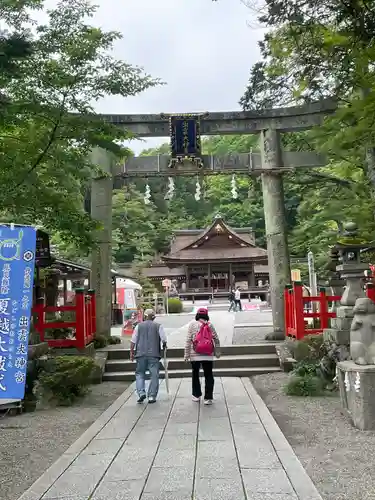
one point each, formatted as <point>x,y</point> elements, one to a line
<point>175,306</point>
<point>63,379</point>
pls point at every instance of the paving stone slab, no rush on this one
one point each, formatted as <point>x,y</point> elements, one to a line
<point>86,462</point>
<point>128,452</point>
<point>217,410</point>
<point>219,489</point>
<point>272,496</point>
<point>251,457</point>
<point>217,429</point>
<point>73,483</point>
<point>182,442</point>
<point>219,449</point>
<point>168,495</point>
<point>74,497</point>
<point>217,467</point>
<point>266,481</point>
<point>170,457</point>
<point>163,480</point>
<point>243,415</point>
<point>103,446</point>
<point>132,469</point>
<point>117,429</point>
<point>118,490</point>
<point>250,432</point>
<point>180,429</point>
<point>142,437</point>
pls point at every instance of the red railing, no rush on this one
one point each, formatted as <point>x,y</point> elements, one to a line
<point>295,314</point>
<point>84,325</point>
<point>296,324</point>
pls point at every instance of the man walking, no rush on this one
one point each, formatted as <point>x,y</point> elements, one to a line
<point>231,300</point>
<point>145,347</point>
<point>237,299</point>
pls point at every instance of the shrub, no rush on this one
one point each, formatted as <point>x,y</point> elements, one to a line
<point>304,368</point>
<point>307,385</point>
<point>174,306</point>
<point>146,305</point>
<point>100,341</point>
<point>114,340</point>
<point>310,348</point>
<point>65,378</point>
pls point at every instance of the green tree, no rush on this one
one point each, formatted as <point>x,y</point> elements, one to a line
<point>50,124</point>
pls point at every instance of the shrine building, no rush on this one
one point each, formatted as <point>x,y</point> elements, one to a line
<point>212,260</point>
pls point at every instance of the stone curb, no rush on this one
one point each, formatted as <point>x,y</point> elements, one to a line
<point>46,480</point>
<point>300,480</point>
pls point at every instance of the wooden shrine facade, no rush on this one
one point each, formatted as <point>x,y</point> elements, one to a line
<point>213,260</point>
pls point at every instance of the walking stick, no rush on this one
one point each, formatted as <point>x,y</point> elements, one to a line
<point>165,363</point>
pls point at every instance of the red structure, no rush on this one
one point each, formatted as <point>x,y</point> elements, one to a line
<point>84,323</point>
<point>296,325</point>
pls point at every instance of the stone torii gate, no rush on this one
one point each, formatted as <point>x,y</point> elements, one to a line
<point>270,164</point>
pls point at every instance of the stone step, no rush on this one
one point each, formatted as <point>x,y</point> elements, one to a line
<point>239,361</point>
<point>218,372</point>
<point>119,352</point>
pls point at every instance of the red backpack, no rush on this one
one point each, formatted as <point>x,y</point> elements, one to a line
<point>203,343</point>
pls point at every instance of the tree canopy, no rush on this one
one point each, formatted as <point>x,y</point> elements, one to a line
<point>51,79</point>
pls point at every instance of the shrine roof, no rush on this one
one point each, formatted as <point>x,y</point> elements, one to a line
<point>217,242</point>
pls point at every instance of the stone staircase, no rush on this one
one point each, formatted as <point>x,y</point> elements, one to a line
<point>235,361</point>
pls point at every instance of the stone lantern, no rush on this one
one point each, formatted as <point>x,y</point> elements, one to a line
<point>355,327</point>
<point>351,269</point>
<point>346,254</point>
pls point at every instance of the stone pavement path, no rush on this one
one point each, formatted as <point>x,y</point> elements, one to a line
<point>180,450</point>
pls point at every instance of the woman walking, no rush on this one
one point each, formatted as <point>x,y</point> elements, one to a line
<point>202,344</point>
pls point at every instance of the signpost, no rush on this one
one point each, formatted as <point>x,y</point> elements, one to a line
<point>312,279</point>
<point>17,263</point>
<point>167,284</point>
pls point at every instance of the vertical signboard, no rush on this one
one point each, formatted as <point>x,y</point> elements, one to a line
<point>17,262</point>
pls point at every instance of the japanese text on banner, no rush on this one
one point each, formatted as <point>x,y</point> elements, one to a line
<point>17,262</point>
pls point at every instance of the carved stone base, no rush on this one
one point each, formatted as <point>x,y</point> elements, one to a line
<point>275,335</point>
<point>357,393</point>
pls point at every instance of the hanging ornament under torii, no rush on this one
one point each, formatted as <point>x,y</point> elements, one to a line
<point>198,191</point>
<point>171,188</point>
<point>234,188</point>
<point>147,195</point>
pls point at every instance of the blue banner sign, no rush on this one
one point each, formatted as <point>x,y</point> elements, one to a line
<point>17,262</point>
<point>185,136</point>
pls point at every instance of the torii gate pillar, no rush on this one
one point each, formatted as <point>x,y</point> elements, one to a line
<point>276,231</point>
<point>101,257</point>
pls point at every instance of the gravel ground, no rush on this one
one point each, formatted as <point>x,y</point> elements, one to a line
<point>339,458</point>
<point>31,442</point>
<point>249,334</point>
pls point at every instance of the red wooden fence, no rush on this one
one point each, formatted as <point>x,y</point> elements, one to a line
<point>295,314</point>
<point>84,324</point>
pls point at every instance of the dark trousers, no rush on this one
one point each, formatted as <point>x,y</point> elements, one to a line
<point>208,379</point>
<point>238,305</point>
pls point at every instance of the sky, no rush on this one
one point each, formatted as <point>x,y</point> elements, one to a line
<point>202,50</point>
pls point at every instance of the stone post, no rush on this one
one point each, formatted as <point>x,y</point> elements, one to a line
<point>335,282</point>
<point>101,257</point>
<point>276,233</point>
